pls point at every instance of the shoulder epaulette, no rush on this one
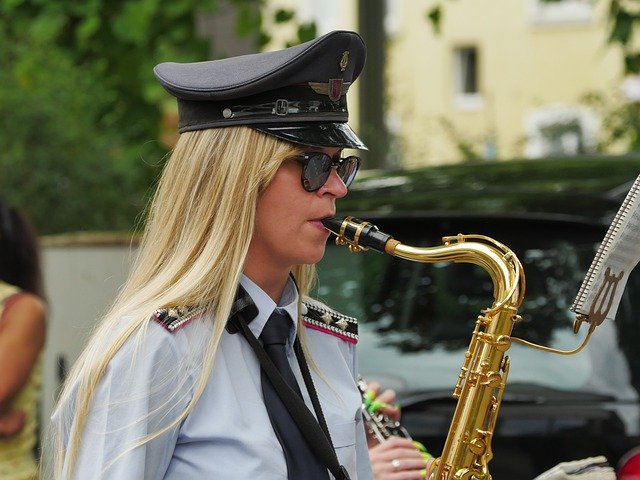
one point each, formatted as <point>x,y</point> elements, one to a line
<point>320,317</point>
<point>175,318</point>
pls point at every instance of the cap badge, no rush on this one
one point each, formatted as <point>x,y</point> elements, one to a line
<point>344,61</point>
<point>334,88</point>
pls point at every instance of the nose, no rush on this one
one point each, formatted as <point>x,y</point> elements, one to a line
<point>334,185</point>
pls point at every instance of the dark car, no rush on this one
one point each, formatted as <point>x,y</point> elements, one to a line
<point>416,319</point>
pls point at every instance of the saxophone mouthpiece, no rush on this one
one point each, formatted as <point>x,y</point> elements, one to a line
<point>357,234</point>
<point>332,224</point>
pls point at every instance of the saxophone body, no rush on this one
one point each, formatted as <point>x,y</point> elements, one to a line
<point>483,376</point>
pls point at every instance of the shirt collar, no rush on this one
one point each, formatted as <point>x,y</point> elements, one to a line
<point>266,305</point>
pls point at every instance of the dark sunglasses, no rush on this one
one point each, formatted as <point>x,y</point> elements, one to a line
<point>316,168</point>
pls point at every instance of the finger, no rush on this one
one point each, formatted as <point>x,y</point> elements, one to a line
<point>400,453</point>
<point>399,442</point>
<point>412,464</point>
<point>387,396</point>
<point>391,411</point>
<point>403,469</point>
<point>373,387</point>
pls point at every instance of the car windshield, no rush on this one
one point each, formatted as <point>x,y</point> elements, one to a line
<point>415,319</point>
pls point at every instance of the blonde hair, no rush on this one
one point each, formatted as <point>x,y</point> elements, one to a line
<point>200,224</point>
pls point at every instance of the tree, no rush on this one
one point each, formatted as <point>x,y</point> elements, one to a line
<point>80,109</point>
<point>57,162</point>
<point>624,22</point>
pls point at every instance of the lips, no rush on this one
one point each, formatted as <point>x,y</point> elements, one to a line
<point>317,223</point>
<point>328,215</point>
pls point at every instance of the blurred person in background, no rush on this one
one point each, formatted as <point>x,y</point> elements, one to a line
<point>22,337</point>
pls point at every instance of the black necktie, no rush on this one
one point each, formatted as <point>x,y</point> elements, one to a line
<point>302,464</point>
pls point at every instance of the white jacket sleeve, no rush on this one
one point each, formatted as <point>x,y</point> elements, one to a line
<point>145,387</point>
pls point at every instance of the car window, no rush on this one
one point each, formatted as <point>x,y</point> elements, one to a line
<point>416,319</point>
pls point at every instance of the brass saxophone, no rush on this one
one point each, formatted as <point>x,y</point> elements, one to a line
<point>483,376</point>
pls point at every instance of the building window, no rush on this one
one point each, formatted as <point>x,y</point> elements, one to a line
<point>549,12</point>
<point>560,130</point>
<point>466,70</point>
<point>466,79</point>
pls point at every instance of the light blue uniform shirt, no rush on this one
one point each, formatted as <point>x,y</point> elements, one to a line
<point>228,434</point>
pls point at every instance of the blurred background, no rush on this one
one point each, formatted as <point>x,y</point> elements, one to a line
<point>85,127</point>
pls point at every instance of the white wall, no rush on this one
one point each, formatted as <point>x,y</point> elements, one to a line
<point>82,274</point>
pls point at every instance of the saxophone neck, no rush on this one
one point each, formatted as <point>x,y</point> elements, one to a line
<point>500,262</point>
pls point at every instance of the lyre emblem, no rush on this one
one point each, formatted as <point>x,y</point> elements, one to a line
<point>344,61</point>
<point>604,298</point>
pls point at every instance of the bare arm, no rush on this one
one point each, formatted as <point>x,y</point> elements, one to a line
<point>22,336</point>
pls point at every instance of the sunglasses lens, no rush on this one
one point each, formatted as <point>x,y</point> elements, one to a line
<point>316,171</point>
<point>317,168</point>
<point>348,169</point>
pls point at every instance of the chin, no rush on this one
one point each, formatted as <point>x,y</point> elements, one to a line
<point>313,256</point>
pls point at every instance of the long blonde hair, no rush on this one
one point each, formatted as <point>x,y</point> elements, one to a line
<point>200,224</point>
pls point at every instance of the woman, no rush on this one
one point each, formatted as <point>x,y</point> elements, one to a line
<point>22,335</point>
<point>175,383</point>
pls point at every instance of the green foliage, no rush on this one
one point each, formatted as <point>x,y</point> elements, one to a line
<point>249,19</point>
<point>624,21</point>
<point>434,16</point>
<point>58,163</point>
<point>283,15</point>
<point>620,121</point>
<point>80,108</point>
<point>307,31</point>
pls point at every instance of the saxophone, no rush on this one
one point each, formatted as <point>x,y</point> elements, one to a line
<point>483,376</point>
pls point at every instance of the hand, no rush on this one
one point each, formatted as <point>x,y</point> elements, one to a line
<point>11,422</point>
<point>398,459</point>
<point>383,403</point>
<point>386,399</point>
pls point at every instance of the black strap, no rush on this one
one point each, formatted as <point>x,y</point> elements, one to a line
<point>314,434</point>
<point>311,388</point>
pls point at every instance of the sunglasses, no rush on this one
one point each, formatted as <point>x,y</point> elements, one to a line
<point>316,168</point>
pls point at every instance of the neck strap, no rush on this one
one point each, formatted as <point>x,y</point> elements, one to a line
<point>315,432</point>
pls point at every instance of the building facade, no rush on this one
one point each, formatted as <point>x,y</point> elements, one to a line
<point>500,79</point>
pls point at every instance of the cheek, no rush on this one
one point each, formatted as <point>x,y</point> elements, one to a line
<point>275,221</point>
<point>283,202</point>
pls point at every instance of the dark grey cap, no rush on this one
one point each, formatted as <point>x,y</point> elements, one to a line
<point>297,94</point>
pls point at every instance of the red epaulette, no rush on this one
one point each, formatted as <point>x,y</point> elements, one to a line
<point>320,317</point>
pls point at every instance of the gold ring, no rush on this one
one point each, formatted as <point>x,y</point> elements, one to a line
<point>395,463</point>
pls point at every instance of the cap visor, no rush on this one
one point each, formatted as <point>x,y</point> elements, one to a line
<point>315,134</point>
